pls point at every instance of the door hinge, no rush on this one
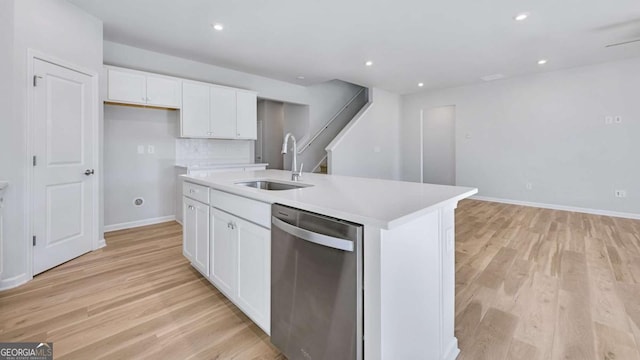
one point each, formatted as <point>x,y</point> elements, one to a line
<point>35,79</point>
<point>34,240</point>
<point>35,161</point>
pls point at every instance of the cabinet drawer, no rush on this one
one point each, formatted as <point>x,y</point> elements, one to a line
<point>252,210</point>
<point>196,192</point>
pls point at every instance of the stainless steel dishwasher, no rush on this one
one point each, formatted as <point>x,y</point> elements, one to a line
<point>316,286</point>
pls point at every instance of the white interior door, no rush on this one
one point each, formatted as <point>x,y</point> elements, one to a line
<point>439,146</point>
<point>63,145</point>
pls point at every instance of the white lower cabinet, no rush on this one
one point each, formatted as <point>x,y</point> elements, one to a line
<point>225,243</point>
<point>241,265</point>
<point>254,272</point>
<point>196,234</point>
<point>223,252</point>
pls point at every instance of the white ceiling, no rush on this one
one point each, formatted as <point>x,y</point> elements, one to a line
<point>441,43</point>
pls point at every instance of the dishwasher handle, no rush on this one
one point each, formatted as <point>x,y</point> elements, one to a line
<point>320,239</point>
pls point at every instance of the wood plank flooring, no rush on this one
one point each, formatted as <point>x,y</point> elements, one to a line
<point>530,284</point>
<point>545,284</point>
<point>137,298</point>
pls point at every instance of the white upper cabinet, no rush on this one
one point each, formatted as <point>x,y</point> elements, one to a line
<point>195,117</point>
<point>162,91</point>
<point>223,113</point>
<point>141,88</point>
<point>247,104</point>
<point>127,86</point>
<point>218,112</point>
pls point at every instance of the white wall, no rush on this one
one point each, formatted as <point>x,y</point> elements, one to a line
<point>369,146</point>
<point>58,29</point>
<point>8,144</point>
<point>129,175</point>
<point>546,129</point>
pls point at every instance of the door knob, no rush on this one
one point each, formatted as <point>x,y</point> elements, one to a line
<point>89,172</point>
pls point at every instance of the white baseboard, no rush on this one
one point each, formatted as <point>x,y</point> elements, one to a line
<point>102,243</point>
<point>15,281</point>
<point>135,224</point>
<point>559,207</point>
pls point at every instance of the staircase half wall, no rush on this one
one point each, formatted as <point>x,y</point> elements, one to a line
<point>369,146</point>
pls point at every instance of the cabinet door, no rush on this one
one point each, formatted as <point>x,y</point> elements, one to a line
<point>223,113</point>
<point>247,118</point>
<point>201,257</point>
<point>126,86</point>
<point>254,272</point>
<point>223,253</point>
<point>195,110</point>
<point>189,228</point>
<point>162,91</point>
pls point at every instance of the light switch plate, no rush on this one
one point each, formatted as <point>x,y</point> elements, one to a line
<point>151,149</point>
<point>140,149</point>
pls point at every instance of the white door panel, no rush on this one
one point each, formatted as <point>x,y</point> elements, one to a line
<point>254,272</point>
<point>223,113</point>
<point>62,194</point>
<point>247,115</point>
<point>127,86</point>
<point>223,252</point>
<point>195,111</point>
<point>163,91</point>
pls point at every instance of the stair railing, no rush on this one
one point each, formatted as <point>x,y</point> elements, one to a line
<point>319,132</point>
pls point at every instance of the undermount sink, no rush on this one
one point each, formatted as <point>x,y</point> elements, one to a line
<point>271,185</point>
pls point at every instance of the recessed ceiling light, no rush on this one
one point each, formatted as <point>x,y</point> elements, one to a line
<point>300,77</point>
<point>218,27</point>
<point>369,63</point>
<point>521,17</point>
<point>542,61</point>
<point>420,84</point>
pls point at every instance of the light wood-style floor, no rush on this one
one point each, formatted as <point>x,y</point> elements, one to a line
<point>545,284</point>
<point>138,298</point>
<point>530,284</point>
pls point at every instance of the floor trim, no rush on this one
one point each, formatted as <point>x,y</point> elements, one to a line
<point>135,224</point>
<point>559,207</point>
<point>13,282</point>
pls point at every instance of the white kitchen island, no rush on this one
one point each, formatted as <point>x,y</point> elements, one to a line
<point>408,250</point>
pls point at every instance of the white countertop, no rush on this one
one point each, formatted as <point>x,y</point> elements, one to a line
<point>374,202</point>
<point>208,165</point>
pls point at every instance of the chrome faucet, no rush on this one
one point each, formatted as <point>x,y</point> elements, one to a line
<point>295,173</point>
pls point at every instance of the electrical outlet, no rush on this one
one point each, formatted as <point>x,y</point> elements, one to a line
<point>376,149</point>
<point>140,149</point>
<point>151,149</point>
<point>617,119</point>
<point>608,120</point>
<point>529,186</point>
<point>621,193</point>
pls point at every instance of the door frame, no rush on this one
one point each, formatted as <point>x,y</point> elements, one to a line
<point>33,55</point>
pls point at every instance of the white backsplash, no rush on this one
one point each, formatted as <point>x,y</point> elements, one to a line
<point>213,151</point>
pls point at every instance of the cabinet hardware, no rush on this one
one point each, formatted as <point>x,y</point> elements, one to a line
<point>89,172</point>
